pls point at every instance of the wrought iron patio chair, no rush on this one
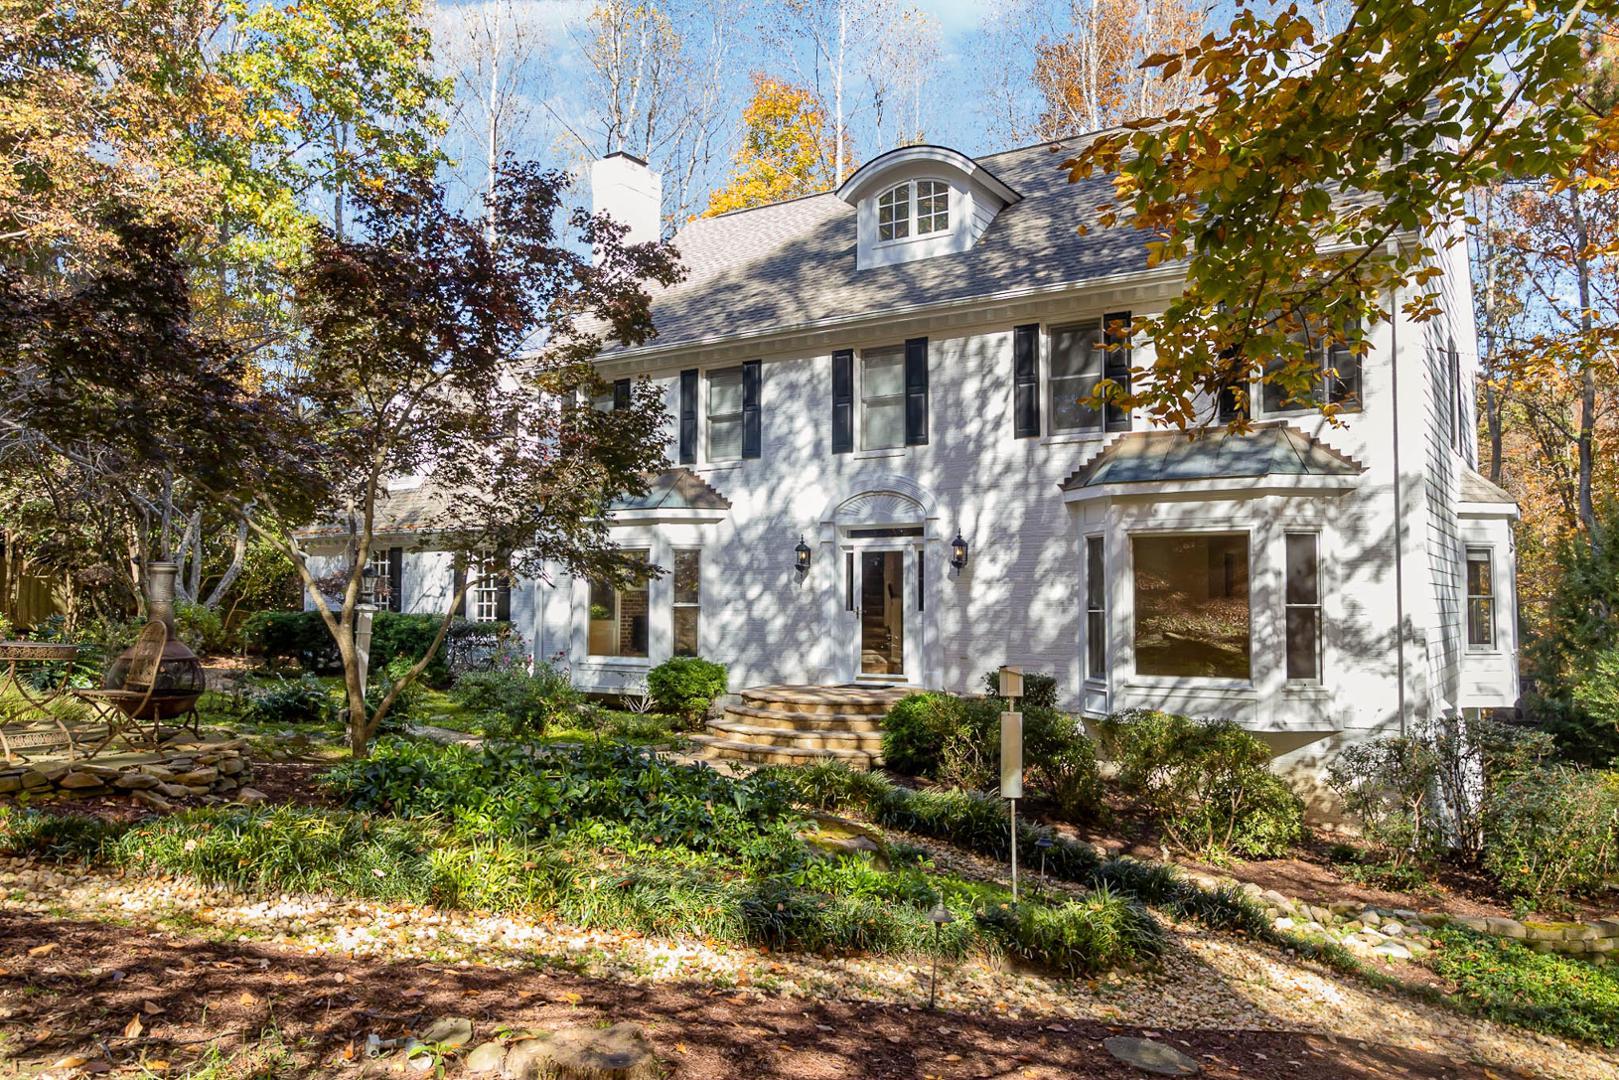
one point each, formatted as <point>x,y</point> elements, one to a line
<point>123,707</point>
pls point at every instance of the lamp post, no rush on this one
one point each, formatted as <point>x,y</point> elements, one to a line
<point>938,917</point>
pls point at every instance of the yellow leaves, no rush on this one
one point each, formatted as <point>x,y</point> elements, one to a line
<point>134,1028</point>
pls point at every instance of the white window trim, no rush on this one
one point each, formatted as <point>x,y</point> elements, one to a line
<point>675,603</point>
<point>861,449</point>
<point>1494,646</point>
<point>1047,435</point>
<point>704,392</point>
<point>1107,652</point>
<point>1320,606</point>
<point>950,213</point>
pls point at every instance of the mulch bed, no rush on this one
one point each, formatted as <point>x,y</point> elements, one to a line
<point>94,978</point>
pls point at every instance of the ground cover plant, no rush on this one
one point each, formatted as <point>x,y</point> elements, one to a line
<point>1504,980</point>
<point>605,837</point>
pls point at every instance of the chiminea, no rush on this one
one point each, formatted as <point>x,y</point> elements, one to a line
<point>180,680</point>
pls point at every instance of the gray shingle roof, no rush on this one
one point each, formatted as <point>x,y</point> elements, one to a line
<point>792,264</point>
<point>1155,456</point>
<point>408,510</point>
<point>1478,489</point>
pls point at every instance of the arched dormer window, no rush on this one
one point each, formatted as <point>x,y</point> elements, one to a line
<point>914,208</point>
<point>918,202</point>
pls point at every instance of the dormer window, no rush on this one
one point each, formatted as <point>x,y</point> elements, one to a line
<point>929,198</point>
<point>920,202</point>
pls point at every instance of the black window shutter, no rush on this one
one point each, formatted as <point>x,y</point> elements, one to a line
<point>1117,366</point>
<point>1344,387</point>
<point>843,401</point>
<point>621,394</point>
<point>916,392</point>
<point>688,417</point>
<point>396,579</point>
<point>1026,381</point>
<point>458,582</point>
<point>750,409</point>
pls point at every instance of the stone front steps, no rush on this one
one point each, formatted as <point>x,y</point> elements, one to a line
<point>800,725</point>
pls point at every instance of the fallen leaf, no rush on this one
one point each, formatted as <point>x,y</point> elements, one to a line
<point>348,1051</point>
<point>571,998</point>
<point>952,1057</point>
<point>97,1067</point>
<point>42,950</point>
<point>151,1008</point>
<point>72,1061</point>
<point>680,1048</point>
<point>133,1029</point>
<point>158,1066</point>
<point>248,999</point>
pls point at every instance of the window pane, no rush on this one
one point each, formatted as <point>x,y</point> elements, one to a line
<point>1192,611</point>
<point>725,439</point>
<point>1096,645</point>
<point>687,576</point>
<point>1095,589</point>
<point>894,213</point>
<point>1478,575</point>
<point>725,392</point>
<point>1480,621</point>
<point>1303,574</point>
<point>884,425</point>
<point>884,373</point>
<point>1303,643</point>
<point>932,206</point>
<point>1077,360</point>
<point>603,620</point>
<point>686,631</point>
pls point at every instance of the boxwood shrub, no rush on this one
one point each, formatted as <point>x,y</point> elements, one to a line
<point>685,686</point>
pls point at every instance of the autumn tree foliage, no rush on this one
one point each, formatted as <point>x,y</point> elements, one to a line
<point>1407,106</point>
<point>1090,74</point>
<point>786,149</point>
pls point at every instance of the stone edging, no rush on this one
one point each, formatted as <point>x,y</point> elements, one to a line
<point>1402,934</point>
<point>211,771</point>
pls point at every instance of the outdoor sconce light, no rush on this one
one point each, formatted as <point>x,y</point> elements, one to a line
<point>801,556</point>
<point>939,916</point>
<point>368,585</point>
<point>958,552</point>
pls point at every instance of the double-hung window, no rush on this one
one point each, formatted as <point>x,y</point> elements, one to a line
<point>725,414</point>
<point>688,600</point>
<point>1338,383</point>
<point>1077,362</point>
<point>882,398</point>
<point>1480,599</point>
<point>619,617</point>
<point>1095,610</point>
<point>484,603</point>
<point>1303,607</point>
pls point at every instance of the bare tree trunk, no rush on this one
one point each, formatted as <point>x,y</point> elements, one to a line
<point>237,561</point>
<point>1588,383</point>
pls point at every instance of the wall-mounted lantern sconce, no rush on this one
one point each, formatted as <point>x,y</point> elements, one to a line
<point>801,556</point>
<point>958,552</point>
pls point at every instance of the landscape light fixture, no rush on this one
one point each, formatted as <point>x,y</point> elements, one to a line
<point>938,917</point>
<point>1044,844</point>
<point>958,552</point>
<point>801,556</point>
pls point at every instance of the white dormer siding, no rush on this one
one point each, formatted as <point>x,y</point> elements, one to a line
<point>975,195</point>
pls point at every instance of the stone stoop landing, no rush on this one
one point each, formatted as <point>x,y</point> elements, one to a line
<point>800,725</point>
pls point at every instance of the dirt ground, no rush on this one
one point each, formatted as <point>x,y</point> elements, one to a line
<point>74,989</point>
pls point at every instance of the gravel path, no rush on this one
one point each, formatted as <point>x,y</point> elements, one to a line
<point>1206,981</point>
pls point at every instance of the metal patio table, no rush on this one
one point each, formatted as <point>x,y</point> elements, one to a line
<point>26,706</point>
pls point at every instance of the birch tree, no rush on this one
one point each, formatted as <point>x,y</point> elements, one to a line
<point>838,33</point>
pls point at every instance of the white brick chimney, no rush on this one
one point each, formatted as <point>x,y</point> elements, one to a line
<point>623,188</point>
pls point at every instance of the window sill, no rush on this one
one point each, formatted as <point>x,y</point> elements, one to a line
<point>717,466</point>
<point>1311,689</point>
<point>1484,653</point>
<point>1059,438</point>
<point>619,661</point>
<point>884,452</point>
<point>1189,683</point>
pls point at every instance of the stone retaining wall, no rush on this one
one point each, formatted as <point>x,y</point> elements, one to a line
<point>1400,934</point>
<point>207,771</point>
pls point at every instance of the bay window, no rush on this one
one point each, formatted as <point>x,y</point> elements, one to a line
<point>1480,599</point>
<point>1095,610</point>
<point>1192,608</point>
<point>688,600</point>
<point>1303,590</point>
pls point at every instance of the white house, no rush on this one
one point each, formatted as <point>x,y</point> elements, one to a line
<point>890,374</point>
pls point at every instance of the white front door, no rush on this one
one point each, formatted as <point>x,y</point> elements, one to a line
<point>883,612</point>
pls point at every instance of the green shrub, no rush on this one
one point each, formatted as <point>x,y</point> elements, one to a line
<point>406,705</point>
<point>1501,979</point>
<point>514,704</point>
<point>914,730</point>
<point>685,686</point>
<point>201,628</point>
<point>304,700</point>
<point>1551,832</point>
<point>1206,783</point>
<point>63,837</point>
<point>1077,938</point>
<point>1060,761</point>
<point>301,638</point>
<point>1388,786</point>
<point>1039,689</point>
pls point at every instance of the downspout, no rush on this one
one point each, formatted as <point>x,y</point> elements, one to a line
<point>1399,509</point>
